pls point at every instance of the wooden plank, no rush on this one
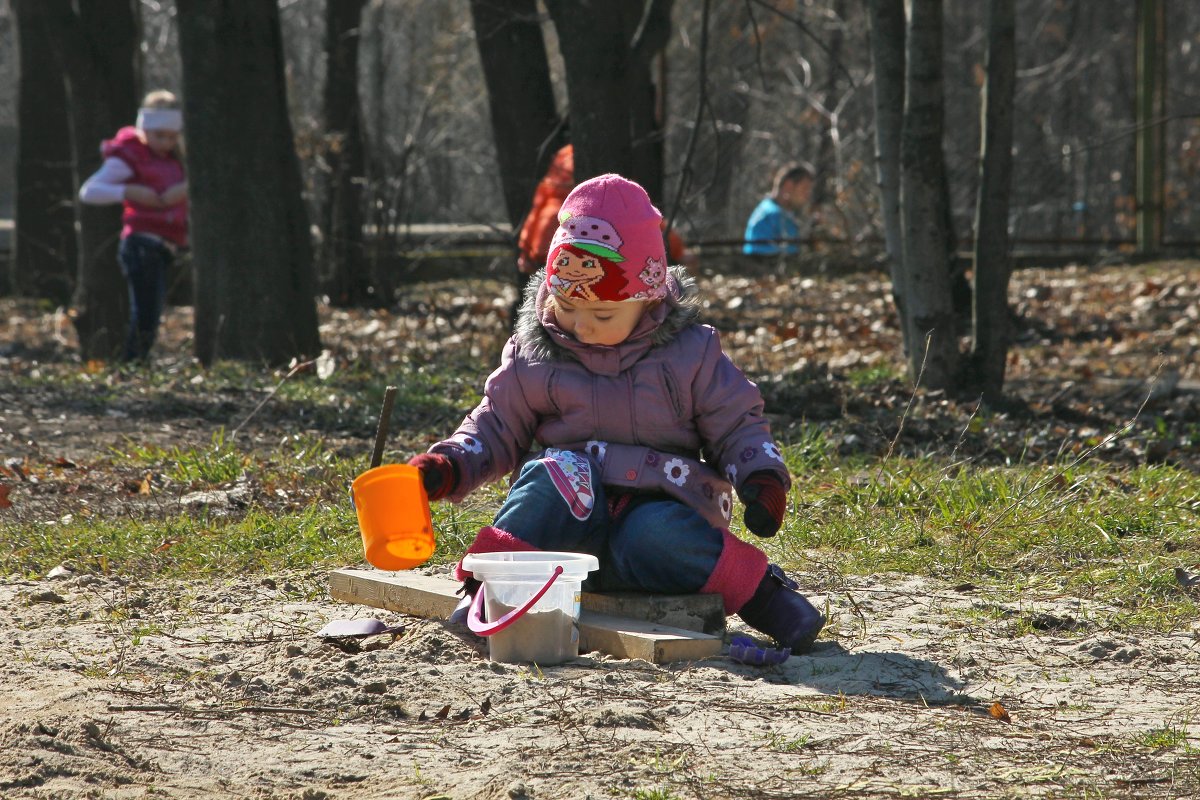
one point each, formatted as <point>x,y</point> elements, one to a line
<point>634,638</point>
<point>704,613</point>
<point>408,593</point>
<point>434,598</point>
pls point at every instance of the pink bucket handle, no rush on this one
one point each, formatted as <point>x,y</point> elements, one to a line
<point>475,617</point>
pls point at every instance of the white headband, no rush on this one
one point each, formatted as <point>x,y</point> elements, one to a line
<point>160,119</point>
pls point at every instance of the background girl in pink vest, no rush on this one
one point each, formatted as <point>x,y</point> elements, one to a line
<point>143,169</point>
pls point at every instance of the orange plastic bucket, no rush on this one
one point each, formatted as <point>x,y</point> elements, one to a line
<point>393,515</point>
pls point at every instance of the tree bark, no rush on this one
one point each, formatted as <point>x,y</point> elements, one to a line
<point>44,254</point>
<point>1150,109</point>
<point>989,353</point>
<point>731,59</point>
<point>525,122</point>
<point>927,312</point>
<point>827,158</point>
<point>98,47</point>
<point>608,48</point>
<point>347,279</point>
<point>252,248</point>
<point>887,56</point>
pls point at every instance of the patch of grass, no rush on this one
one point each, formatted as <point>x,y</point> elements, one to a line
<point>810,448</point>
<point>653,794</point>
<point>786,744</point>
<point>1089,530</point>
<point>220,462</point>
<point>187,545</point>
<point>871,375</point>
<point>1165,738</point>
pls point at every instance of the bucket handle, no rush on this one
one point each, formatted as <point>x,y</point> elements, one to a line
<point>475,616</point>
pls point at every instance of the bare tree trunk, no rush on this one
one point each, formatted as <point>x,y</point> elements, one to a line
<point>989,353</point>
<point>611,91</point>
<point>927,312</point>
<point>732,58</point>
<point>826,156</point>
<point>347,280</point>
<point>98,46</point>
<point>648,99</point>
<point>525,123</point>
<point>44,254</point>
<point>1151,126</point>
<point>887,55</point>
<point>250,231</point>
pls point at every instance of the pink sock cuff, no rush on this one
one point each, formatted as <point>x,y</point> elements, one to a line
<point>491,540</point>
<point>737,574</point>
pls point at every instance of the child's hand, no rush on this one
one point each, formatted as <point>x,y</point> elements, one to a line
<point>176,194</point>
<point>142,195</point>
<point>765,499</point>
<point>438,474</point>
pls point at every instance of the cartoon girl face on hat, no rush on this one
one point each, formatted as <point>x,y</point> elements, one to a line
<point>580,248</point>
<point>575,272</point>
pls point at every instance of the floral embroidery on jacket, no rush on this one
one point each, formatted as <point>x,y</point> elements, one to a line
<point>726,503</point>
<point>471,444</point>
<point>676,471</point>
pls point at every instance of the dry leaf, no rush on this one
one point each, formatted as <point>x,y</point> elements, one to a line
<point>445,712</point>
<point>145,486</point>
<point>4,501</point>
<point>486,706</point>
<point>997,711</point>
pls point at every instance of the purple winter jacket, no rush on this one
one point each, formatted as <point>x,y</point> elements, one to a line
<point>665,410</point>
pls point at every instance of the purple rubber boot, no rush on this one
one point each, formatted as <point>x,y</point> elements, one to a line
<point>782,613</point>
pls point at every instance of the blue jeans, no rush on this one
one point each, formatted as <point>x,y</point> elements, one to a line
<point>144,262</point>
<point>652,544</point>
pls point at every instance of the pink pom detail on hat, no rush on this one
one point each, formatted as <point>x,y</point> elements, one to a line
<point>609,244</point>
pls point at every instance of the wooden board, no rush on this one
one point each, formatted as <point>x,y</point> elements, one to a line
<point>704,613</point>
<point>406,592</point>
<point>434,598</point>
<point>634,638</point>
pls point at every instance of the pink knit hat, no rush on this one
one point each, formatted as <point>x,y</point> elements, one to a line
<point>609,244</point>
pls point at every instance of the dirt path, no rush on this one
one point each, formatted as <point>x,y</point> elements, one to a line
<point>120,689</point>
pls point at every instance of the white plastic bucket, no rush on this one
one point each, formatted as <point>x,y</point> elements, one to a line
<point>532,600</point>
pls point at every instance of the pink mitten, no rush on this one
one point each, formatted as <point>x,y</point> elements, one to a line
<point>766,501</point>
<point>438,474</point>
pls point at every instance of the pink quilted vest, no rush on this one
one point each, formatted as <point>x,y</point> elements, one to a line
<point>159,173</point>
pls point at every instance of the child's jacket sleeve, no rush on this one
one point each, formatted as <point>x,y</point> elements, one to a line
<point>729,418</point>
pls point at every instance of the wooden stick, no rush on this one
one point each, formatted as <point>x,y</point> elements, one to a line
<point>381,432</point>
